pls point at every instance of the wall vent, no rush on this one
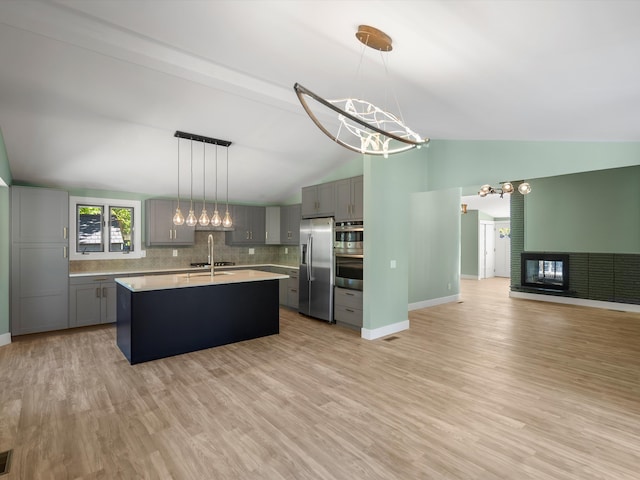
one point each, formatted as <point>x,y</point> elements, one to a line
<point>5,462</point>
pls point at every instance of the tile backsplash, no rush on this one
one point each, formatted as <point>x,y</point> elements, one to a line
<point>162,257</point>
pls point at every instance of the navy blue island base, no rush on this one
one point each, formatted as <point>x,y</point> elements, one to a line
<point>160,323</point>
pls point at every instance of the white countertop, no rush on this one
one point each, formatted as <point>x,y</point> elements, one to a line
<point>195,279</point>
<point>178,269</point>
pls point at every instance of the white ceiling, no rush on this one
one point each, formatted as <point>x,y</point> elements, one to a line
<point>92,92</point>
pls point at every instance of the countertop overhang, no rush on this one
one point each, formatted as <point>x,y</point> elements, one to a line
<point>195,279</point>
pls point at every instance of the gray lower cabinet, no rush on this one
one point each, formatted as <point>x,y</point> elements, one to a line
<point>292,288</point>
<point>347,308</point>
<point>288,292</point>
<point>160,230</point>
<point>39,260</point>
<point>92,300</point>
<point>39,288</point>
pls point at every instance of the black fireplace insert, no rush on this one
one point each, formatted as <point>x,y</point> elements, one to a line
<point>545,270</point>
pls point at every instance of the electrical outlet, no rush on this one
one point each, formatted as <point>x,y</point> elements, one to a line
<point>393,264</point>
<point>252,251</point>
<point>175,252</point>
<point>143,253</point>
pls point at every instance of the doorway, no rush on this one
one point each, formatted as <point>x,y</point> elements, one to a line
<point>503,249</point>
<point>486,250</point>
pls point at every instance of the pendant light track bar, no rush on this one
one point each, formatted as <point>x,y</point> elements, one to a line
<point>201,138</point>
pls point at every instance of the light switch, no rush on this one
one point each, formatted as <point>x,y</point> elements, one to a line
<point>393,264</point>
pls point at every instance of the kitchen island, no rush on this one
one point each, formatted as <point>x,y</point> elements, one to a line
<point>163,315</point>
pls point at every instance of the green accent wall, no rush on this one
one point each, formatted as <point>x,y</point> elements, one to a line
<point>456,163</point>
<point>388,183</point>
<point>585,212</point>
<point>435,245</point>
<point>469,224</point>
<point>5,239</point>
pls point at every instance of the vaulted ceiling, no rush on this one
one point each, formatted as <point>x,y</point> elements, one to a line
<point>92,92</point>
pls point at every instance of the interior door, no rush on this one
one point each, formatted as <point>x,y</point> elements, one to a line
<point>503,249</point>
<point>487,249</point>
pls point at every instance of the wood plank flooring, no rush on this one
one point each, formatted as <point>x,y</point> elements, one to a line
<point>489,388</point>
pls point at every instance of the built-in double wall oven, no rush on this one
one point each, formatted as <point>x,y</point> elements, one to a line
<point>348,252</point>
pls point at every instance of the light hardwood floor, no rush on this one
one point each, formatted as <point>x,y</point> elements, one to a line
<point>489,388</point>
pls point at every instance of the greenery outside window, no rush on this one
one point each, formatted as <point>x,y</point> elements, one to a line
<point>104,228</point>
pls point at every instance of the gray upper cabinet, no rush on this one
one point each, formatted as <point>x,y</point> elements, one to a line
<point>39,215</point>
<point>273,224</point>
<point>318,200</point>
<point>249,225</point>
<point>39,260</point>
<point>349,199</point>
<point>160,229</point>
<point>290,224</point>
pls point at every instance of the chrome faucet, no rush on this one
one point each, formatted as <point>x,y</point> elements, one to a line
<point>210,246</point>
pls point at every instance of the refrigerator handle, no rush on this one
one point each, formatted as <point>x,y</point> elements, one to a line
<point>310,257</point>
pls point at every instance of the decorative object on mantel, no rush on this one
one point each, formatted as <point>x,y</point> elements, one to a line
<point>362,127</point>
<point>505,187</point>
<point>178,218</point>
<point>463,208</point>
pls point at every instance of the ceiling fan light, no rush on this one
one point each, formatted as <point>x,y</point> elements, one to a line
<point>507,187</point>
<point>485,189</point>
<point>524,188</point>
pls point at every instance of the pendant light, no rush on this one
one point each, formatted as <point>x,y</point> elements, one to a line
<point>191,218</point>
<point>204,217</point>
<point>178,218</point>
<point>227,222</point>
<point>216,221</point>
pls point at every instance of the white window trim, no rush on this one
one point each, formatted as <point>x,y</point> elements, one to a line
<point>106,203</point>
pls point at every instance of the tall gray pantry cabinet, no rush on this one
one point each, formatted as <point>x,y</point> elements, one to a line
<point>39,260</point>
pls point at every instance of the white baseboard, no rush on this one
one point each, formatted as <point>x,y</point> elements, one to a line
<point>470,277</point>
<point>5,339</point>
<point>434,302</point>
<point>583,302</point>
<point>384,331</point>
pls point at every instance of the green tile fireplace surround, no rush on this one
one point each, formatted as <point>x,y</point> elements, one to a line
<point>607,277</point>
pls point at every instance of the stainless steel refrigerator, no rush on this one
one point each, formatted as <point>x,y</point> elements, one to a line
<point>316,268</point>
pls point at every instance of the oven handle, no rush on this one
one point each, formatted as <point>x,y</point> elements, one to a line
<point>348,255</point>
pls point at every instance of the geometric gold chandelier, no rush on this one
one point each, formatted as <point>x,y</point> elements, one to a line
<point>357,124</point>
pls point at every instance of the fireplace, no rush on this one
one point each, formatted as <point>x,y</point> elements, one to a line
<point>545,270</point>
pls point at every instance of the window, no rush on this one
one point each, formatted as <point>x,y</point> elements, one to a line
<point>104,228</point>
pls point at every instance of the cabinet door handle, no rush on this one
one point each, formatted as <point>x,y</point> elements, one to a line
<point>171,234</point>
<point>64,232</point>
<point>64,252</point>
<point>104,292</point>
<point>98,292</point>
<point>349,310</point>
<point>175,233</point>
<point>349,294</point>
